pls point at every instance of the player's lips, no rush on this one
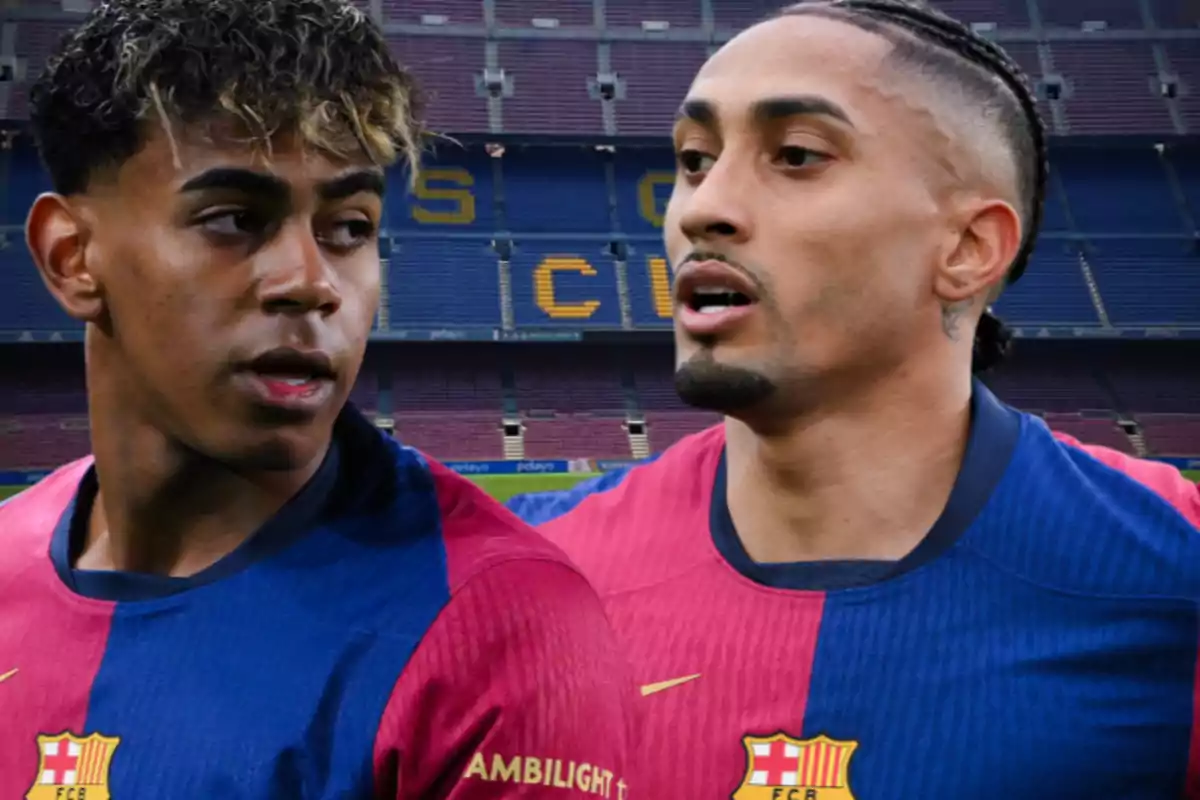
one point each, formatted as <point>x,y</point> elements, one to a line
<point>711,297</point>
<point>290,379</point>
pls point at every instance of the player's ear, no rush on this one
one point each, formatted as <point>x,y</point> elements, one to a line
<point>989,240</point>
<point>57,237</point>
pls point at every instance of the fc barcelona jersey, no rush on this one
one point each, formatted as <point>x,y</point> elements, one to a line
<point>391,633</point>
<point>1040,642</point>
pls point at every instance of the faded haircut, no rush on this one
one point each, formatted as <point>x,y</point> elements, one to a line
<point>319,69</point>
<point>938,48</point>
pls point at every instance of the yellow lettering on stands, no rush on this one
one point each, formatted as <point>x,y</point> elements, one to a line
<point>543,287</point>
<point>648,203</point>
<point>458,193</point>
<point>660,287</point>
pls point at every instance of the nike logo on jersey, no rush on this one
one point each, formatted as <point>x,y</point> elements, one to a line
<point>8,675</point>
<point>662,686</point>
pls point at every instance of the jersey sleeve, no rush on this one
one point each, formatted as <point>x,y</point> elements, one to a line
<point>1163,479</point>
<point>517,691</point>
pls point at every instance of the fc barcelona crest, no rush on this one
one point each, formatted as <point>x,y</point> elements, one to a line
<point>73,767</point>
<point>782,768</point>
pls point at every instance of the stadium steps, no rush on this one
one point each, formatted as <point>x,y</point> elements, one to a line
<point>1135,435</point>
<point>383,316</point>
<point>514,439</point>
<point>507,318</point>
<point>623,294</point>
<point>1094,290</point>
<point>639,441</point>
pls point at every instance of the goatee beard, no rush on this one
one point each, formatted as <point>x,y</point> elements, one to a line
<point>703,383</point>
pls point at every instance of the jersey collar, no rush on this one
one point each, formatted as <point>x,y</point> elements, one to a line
<point>995,429</point>
<point>294,520</point>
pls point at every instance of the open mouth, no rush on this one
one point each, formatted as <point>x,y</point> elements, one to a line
<point>715,299</point>
<point>286,375</point>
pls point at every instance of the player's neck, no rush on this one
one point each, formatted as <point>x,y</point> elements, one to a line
<point>161,508</point>
<point>864,480</point>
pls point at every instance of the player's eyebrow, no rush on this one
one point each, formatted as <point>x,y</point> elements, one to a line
<point>271,187</point>
<point>769,109</point>
<point>246,181</point>
<point>702,112</point>
<point>350,184</point>
<point>773,108</point>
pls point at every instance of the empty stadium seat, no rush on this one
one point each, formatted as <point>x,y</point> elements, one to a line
<point>1116,13</point>
<point>1111,87</point>
<point>567,378</point>
<point>1148,281</point>
<point>1171,434</point>
<point>632,13</point>
<point>564,283</point>
<point>550,86</point>
<point>441,283</point>
<point>656,77</point>
<point>1051,291</point>
<point>447,67</point>
<point>536,184</point>
<point>521,13</point>
<point>576,436</point>
<point>1122,191</point>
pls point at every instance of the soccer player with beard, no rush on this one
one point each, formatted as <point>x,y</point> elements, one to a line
<point>250,592</point>
<point>875,580</point>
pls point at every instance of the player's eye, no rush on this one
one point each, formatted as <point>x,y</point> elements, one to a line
<point>234,222</point>
<point>694,162</point>
<point>796,157</point>
<point>347,234</point>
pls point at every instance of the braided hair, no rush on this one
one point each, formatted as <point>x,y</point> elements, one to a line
<point>965,55</point>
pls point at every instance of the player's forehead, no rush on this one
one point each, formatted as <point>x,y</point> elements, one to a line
<point>171,159</point>
<point>793,55</point>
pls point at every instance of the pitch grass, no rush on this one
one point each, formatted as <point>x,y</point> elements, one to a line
<point>503,487</point>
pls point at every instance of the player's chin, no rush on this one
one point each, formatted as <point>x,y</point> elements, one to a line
<point>274,449</point>
<point>706,381</point>
<point>271,437</point>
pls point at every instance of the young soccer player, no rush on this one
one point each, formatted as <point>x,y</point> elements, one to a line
<point>250,592</point>
<point>875,580</point>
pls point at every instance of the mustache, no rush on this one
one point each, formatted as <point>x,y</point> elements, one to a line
<point>699,256</point>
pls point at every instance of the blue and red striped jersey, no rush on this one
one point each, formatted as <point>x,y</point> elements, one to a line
<point>1040,642</point>
<point>392,633</point>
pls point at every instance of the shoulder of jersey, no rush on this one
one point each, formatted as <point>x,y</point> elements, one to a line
<point>1091,520</point>
<point>479,532</point>
<point>29,518</point>
<point>682,473</point>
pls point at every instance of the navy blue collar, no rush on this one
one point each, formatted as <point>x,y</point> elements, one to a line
<point>995,429</point>
<point>330,487</point>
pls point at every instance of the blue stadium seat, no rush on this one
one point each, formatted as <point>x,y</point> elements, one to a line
<point>564,284</point>
<point>555,190</point>
<point>1118,191</point>
<point>1187,167</point>
<point>25,303</point>
<point>443,283</point>
<point>644,181</point>
<point>1148,281</point>
<point>649,285</point>
<point>26,180</point>
<point>453,193</point>
<point>1052,290</point>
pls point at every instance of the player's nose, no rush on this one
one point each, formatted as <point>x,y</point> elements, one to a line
<point>297,277</point>
<point>718,207</point>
